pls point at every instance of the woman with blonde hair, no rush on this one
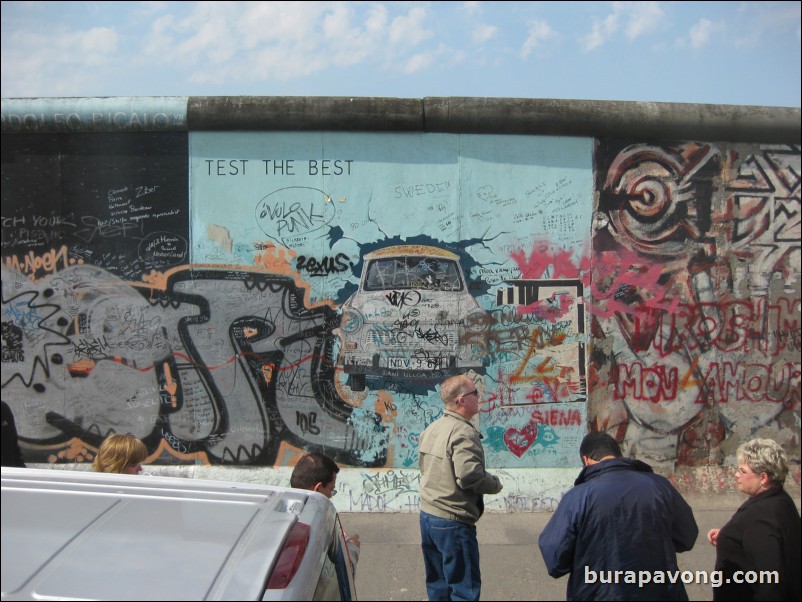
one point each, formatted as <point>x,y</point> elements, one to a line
<point>123,454</point>
<point>758,550</point>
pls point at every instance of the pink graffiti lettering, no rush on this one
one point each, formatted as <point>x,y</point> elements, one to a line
<point>655,384</point>
<point>543,256</point>
<point>728,382</point>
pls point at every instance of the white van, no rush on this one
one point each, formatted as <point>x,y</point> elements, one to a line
<point>91,536</point>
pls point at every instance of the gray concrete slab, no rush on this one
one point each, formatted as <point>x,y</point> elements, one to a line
<point>391,565</point>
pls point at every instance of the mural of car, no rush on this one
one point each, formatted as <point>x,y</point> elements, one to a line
<point>411,317</point>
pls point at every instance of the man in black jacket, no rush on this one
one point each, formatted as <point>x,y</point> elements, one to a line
<point>618,530</point>
<point>12,456</point>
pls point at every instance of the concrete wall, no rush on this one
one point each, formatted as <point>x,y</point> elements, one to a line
<point>239,280</point>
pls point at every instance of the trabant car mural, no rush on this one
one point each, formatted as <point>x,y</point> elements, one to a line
<point>410,317</point>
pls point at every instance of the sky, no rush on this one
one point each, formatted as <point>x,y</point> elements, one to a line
<point>737,53</point>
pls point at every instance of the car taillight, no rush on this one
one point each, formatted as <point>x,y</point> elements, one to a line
<point>290,557</point>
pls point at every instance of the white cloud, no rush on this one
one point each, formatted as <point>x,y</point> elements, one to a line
<point>348,43</point>
<point>700,33</point>
<point>418,62</point>
<point>160,42</point>
<point>539,31</point>
<point>151,8</point>
<point>205,36</point>
<point>640,18</point>
<point>296,23</point>
<point>97,45</point>
<point>337,24</point>
<point>235,41</point>
<point>470,8</point>
<point>210,43</point>
<point>455,57</point>
<point>601,32</point>
<point>239,42</point>
<point>409,30</point>
<point>69,60</point>
<point>376,21</point>
<point>242,42</point>
<point>484,33</point>
<point>769,19</point>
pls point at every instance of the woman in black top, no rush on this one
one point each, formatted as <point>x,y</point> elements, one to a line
<point>763,534</point>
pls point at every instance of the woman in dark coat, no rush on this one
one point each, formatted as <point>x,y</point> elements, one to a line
<point>763,534</point>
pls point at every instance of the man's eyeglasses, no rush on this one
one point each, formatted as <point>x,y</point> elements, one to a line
<point>474,392</point>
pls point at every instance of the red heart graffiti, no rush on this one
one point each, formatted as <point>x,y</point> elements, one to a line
<point>518,441</point>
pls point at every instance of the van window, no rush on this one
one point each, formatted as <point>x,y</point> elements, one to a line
<point>334,582</point>
<point>328,585</point>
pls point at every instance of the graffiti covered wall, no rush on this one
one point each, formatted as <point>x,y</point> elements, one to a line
<point>235,299</point>
<point>696,298</point>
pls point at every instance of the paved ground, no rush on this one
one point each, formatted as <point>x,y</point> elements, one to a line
<point>391,566</point>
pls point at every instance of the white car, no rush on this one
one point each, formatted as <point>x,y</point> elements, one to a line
<point>412,317</point>
<point>79,535</point>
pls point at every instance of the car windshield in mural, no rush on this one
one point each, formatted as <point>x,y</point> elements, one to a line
<point>405,273</point>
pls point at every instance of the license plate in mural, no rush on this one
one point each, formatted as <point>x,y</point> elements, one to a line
<point>416,363</point>
<point>401,362</point>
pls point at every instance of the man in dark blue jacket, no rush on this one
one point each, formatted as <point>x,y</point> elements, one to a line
<point>618,530</point>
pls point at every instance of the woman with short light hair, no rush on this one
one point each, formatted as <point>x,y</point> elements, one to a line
<point>122,454</point>
<point>765,455</point>
<point>761,542</point>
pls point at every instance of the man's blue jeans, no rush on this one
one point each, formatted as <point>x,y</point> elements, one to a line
<point>451,559</point>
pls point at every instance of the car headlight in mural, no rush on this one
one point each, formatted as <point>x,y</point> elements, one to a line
<point>410,317</point>
<point>352,321</point>
<point>476,321</point>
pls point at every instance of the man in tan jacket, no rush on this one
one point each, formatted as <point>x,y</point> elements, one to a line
<point>453,481</point>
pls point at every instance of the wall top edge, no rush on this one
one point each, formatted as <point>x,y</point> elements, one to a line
<point>480,115</point>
